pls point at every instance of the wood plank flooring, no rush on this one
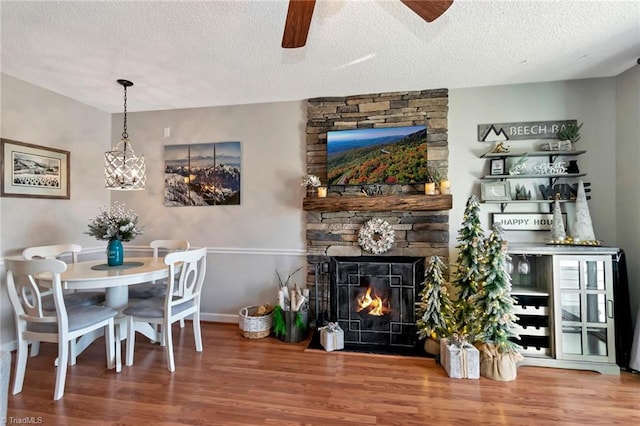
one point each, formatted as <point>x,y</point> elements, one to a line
<point>236,381</point>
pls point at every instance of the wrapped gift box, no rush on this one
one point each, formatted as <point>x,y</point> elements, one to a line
<point>332,337</point>
<point>460,360</point>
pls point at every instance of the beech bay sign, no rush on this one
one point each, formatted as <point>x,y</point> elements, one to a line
<point>522,130</point>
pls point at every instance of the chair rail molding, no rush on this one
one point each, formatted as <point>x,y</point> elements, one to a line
<point>215,250</point>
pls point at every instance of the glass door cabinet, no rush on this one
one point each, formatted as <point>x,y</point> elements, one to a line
<point>583,314</point>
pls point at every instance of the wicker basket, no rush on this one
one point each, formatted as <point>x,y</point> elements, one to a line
<point>254,327</point>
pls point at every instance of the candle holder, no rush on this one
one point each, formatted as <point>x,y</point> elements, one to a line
<point>430,188</point>
<point>445,187</point>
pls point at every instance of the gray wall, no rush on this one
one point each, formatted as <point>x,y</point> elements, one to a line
<point>609,108</point>
<point>628,175</point>
<point>247,243</point>
<point>588,101</point>
<point>31,114</point>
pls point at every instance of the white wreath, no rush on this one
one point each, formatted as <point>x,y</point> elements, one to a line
<point>376,236</point>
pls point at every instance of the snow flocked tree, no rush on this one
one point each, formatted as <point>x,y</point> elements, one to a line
<point>493,320</point>
<point>558,233</point>
<point>434,310</point>
<point>470,262</point>
<point>492,323</point>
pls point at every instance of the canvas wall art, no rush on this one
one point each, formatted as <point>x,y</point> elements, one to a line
<point>206,174</point>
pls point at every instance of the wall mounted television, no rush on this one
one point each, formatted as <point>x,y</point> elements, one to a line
<point>388,155</point>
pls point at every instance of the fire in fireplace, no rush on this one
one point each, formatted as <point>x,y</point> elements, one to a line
<point>373,300</point>
<point>372,304</point>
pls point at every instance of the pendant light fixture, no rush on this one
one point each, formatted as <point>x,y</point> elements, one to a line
<point>123,170</point>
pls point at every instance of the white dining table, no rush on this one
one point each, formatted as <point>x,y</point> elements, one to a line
<point>115,280</point>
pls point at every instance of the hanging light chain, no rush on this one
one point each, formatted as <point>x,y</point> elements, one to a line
<point>125,135</point>
<point>123,169</point>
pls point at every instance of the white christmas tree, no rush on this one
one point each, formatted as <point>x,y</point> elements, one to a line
<point>470,261</point>
<point>494,319</point>
<point>434,310</point>
<point>583,227</point>
<point>557,227</point>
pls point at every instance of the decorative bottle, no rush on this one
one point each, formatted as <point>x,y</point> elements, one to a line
<point>115,253</point>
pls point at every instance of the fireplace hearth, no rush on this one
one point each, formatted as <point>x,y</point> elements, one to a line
<point>373,299</point>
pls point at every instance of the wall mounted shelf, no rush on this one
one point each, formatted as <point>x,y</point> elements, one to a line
<point>417,202</point>
<point>531,154</point>
<point>527,201</point>
<point>555,176</point>
<point>552,178</point>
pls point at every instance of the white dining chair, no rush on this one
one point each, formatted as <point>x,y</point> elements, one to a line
<point>62,326</point>
<point>60,251</point>
<point>71,298</point>
<point>181,299</point>
<point>152,289</point>
<point>149,290</point>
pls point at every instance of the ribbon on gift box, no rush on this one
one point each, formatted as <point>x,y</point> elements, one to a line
<point>462,347</point>
<point>458,340</point>
<point>332,328</point>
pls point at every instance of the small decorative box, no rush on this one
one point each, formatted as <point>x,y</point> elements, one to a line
<point>460,360</point>
<point>332,337</point>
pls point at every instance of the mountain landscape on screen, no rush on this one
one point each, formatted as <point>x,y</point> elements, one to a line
<point>395,155</point>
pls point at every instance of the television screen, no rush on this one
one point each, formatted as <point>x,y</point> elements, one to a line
<point>390,155</point>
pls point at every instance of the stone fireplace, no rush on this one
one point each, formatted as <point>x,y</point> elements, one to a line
<point>420,222</point>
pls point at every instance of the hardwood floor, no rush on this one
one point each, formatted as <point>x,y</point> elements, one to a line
<point>236,381</point>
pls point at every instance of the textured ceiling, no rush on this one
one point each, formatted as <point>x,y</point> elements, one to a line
<point>209,53</point>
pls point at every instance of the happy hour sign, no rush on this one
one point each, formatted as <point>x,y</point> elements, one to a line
<point>526,221</point>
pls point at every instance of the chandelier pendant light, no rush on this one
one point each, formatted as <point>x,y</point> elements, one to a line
<point>123,170</point>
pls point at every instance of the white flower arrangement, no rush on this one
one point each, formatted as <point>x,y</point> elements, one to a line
<point>376,236</point>
<point>311,180</point>
<point>117,223</point>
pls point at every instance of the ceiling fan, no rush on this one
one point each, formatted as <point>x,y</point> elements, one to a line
<point>300,12</point>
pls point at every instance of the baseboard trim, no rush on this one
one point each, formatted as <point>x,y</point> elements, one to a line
<point>226,318</point>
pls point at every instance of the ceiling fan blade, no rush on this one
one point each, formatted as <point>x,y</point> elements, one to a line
<point>296,28</point>
<point>429,10</point>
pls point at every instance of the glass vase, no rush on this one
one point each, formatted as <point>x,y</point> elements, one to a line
<point>115,253</point>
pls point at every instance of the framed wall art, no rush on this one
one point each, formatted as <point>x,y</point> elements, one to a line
<point>495,191</point>
<point>33,171</point>
<point>497,166</point>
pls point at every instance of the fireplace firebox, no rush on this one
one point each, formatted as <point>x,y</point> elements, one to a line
<point>373,299</point>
